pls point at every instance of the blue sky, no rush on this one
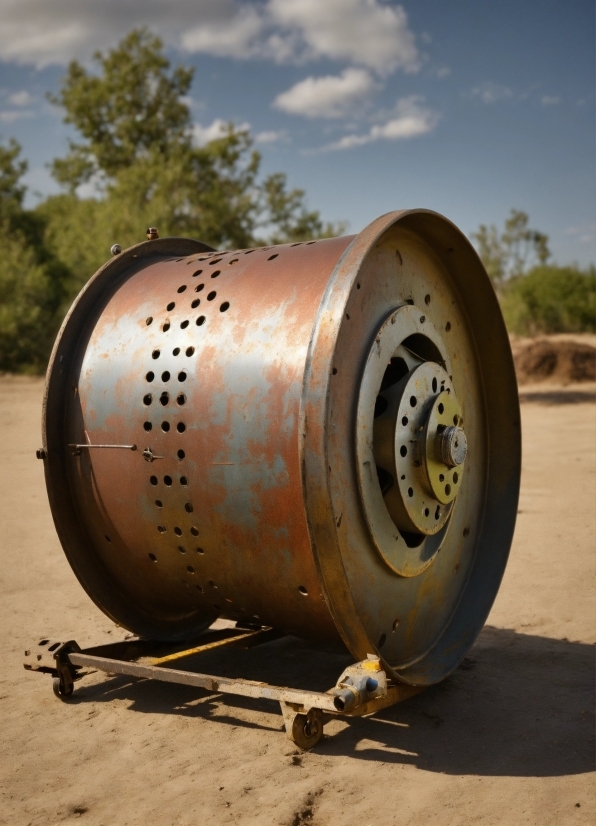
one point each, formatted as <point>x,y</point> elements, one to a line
<point>466,108</point>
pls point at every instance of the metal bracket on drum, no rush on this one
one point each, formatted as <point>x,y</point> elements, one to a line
<point>362,688</point>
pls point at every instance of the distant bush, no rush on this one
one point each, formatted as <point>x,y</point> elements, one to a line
<point>550,299</point>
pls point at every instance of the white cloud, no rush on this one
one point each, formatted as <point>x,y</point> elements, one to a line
<point>444,71</point>
<point>491,92</point>
<point>236,37</point>
<point>412,120</point>
<point>584,235</point>
<point>327,97</point>
<point>13,115</point>
<point>550,100</point>
<point>22,98</point>
<point>366,32</point>
<point>369,33</point>
<point>272,136</point>
<point>217,129</point>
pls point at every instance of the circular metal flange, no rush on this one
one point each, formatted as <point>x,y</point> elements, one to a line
<point>396,397</point>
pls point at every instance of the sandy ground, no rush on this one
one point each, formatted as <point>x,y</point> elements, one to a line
<point>508,739</point>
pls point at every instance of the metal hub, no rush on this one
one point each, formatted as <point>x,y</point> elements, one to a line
<point>412,468</point>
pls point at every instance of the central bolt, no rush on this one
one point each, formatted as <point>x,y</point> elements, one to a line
<point>453,446</point>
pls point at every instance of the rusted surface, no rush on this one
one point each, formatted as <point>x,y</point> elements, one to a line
<point>237,375</point>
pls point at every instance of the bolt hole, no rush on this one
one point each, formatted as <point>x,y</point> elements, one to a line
<point>199,588</point>
<point>190,569</point>
<point>466,531</point>
<point>159,503</point>
<point>180,427</point>
<point>382,640</point>
<point>441,477</point>
<point>404,420</point>
<point>427,299</point>
<point>190,351</point>
<point>455,419</point>
<point>215,261</point>
<point>403,450</point>
<point>413,401</point>
<point>181,399</point>
<point>147,425</point>
<point>348,316</point>
<point>422,319</point>
<point>200,320</point>
<point>176,351</point>
<point>184,324</point>
<point>149,321</point>
<point>181,454</point>
<point>167,480</point>
<point>395,624</point>
<point>170,306</point>
<point>441,408</point>
<point>182,376</point>
<point>153,480</point>
<point>178,531</point>
<point>195,303</point>
<point>107,538</point>
<point>197,272</point>
<point>199,287</point>
<point>165,376</point>
<point>181,288</point>
<point>184,481</point>
<point>410,492</point>
<point>215,274</point>
<point>194,531</point>
<point>166,326</point>
<point>161,528</point>
<point>164,398</point>
<point>225,306</point>
<point>271,257</point>
<point>426,512</point>
<point>212,584</point>
<point>182,549</point>
<point>147,399</point>
<point>447,490</point>
<point>448,326</point>
<point>334,371</point>
<point>152,557</point>
<point>437,513</point>
<point>357,286</point>
<point>434,385</point>
<point>455,478</point>
<point>165,426</point>
<point>200,551</point>
<point>155,354</point>
<point>150,376</point>
<point>188,508</point>
<point>303,590</point>
<point>211,295</point>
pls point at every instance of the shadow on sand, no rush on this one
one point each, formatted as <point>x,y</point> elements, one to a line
<point>519,705</point>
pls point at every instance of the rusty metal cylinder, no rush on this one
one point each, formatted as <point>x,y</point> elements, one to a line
<point>323,437</point>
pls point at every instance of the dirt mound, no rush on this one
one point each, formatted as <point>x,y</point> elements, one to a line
<point>554,361</point>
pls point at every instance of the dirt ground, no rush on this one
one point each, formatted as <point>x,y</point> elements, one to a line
<point>508,739</point>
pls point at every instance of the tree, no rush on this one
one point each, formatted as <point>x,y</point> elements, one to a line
<point>137,147</point>
<point>510,253</point>
<point>30,277</point>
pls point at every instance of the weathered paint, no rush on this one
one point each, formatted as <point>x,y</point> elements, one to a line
<point>260,517</point>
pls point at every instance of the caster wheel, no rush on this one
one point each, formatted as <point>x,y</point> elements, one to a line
<point>307,729</point>
<point>63,690</point>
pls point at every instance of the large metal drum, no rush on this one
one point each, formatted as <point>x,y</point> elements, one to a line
<point>323,437</point>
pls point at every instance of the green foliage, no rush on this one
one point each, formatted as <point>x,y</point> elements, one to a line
<point>133,109</point>
<point>508,254</point>
<point>551,300</point>
<point>30,277</point>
